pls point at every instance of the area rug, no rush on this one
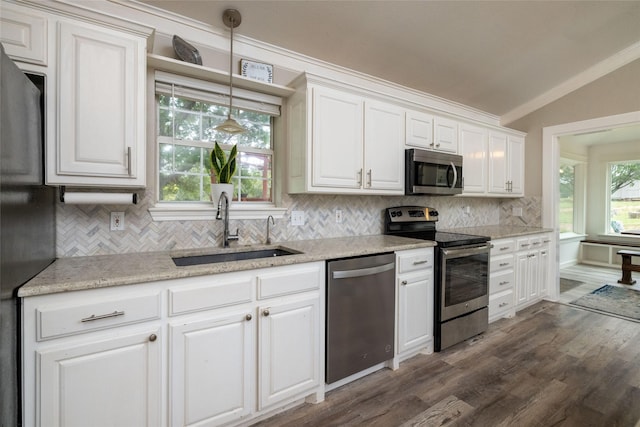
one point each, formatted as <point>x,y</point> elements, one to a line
<point>616,300</point>
<point>568,284</point>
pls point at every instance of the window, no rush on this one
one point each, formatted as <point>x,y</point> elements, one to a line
<point>572,191</point>
<point>567,196</point>
<point>624,196</point>
<point>187,111</point>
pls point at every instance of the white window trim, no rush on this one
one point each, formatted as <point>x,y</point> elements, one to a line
<point>203,211</point>
<point>207,211</point>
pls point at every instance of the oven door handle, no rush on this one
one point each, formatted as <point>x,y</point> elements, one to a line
<point>345,274</point>
<point>458,252</point>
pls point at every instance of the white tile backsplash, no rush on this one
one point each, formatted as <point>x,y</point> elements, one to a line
<point>84,229</point>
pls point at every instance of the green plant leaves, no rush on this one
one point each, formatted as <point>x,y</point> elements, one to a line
<point>223,166</point>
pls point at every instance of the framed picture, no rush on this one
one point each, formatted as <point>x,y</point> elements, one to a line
<point>256,70</point>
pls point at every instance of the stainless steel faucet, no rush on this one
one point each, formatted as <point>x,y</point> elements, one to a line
<point>226,236</point>
<point>270,217</point>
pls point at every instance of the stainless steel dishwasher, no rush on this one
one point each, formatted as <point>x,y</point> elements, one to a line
<point>360,314</point>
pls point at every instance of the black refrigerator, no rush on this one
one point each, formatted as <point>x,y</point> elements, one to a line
<point>27,217</point>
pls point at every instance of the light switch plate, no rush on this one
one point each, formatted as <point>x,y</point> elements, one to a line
<point>297,217</point>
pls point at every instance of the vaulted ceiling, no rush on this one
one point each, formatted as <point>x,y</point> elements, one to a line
<point>507,58</point>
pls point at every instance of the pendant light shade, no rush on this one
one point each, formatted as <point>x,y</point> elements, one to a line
<point>231,19</point>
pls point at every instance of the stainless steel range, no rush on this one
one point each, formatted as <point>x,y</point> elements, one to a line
<point>461,275</point>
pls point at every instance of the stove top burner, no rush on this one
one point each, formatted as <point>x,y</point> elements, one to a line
<point>419,222</point>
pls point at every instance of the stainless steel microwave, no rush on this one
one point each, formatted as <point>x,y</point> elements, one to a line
<point>429,172</point>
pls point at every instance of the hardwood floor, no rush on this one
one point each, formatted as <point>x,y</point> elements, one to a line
<point>551,365</point>
<point>592,278</point>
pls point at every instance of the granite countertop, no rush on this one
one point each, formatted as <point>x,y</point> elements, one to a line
<point>499,231</point>
<point>78,273</point>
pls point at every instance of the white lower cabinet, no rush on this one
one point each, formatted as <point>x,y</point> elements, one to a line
<point>238,345</point>
<point>415,301</point>
<point>209,355</point>
<point>532,269</point>
<point>288,342</point>
<point>502,279</point>
<point>113,381</point>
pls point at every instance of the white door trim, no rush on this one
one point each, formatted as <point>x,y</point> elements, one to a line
<point>550,165</point>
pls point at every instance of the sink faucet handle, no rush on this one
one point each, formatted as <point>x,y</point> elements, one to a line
<point>234,236</point>
<point>270,217</point>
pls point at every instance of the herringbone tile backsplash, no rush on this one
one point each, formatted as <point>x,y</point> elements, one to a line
<point>84,229</point>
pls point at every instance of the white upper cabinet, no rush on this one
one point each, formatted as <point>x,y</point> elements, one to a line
<point>445,134</point>
<point>473,148</point>
<point>419,130</point>
<point>430,132</point>
<point>342,142</point>
<point>100,140</point>
<point>23,34</point>
<point>506,164</point>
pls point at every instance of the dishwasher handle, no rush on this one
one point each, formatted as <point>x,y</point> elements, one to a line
<point>345,274</point>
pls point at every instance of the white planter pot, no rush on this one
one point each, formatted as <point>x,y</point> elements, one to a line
<point>217,189</point>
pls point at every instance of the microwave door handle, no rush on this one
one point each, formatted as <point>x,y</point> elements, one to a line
<point>455,175</point>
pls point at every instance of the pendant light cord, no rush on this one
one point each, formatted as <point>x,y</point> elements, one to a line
<point>233,24</point>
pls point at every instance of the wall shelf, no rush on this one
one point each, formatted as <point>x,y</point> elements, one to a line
<point>182,68</point>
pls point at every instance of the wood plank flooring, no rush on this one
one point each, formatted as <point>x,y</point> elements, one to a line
<point>593,277</point>
<point>551,365</point>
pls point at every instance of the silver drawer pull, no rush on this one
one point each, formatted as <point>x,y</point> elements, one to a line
<point>502,264</point>
<point>503,283</point>
<point>504,304</point>
<point>420,262</point>
<point>504,248</point>
<point>103,316</point>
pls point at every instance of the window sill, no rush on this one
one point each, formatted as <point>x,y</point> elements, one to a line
<point>571,236</point>
<point>207,212</point>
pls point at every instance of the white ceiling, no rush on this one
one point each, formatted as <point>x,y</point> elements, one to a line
<point>496,56</point>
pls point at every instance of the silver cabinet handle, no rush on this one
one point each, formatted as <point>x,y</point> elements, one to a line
<point>265,313</point>
<point>129,160</point>
<point>153,337</point>
<point>504,248</point>
<point>504,304</point>
<point>403,283</point>
<point>503,283</point>
<point>102,316</point>
<point>524,245</point>
<point>248,317</point>
<point>502,264</point>
<point>420,262</point>
<point>369,178</point>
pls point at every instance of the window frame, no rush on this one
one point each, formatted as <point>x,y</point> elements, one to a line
<point>608,194</point>
<point>579,194</point>
<point>199,210</point>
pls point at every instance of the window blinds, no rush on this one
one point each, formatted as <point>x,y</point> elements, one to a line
<point>216,93</point>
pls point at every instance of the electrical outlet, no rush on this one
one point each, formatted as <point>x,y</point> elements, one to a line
<point>297,217</point>
<point>516,211</point>
<point>117,221</point>
<point>339,216</point>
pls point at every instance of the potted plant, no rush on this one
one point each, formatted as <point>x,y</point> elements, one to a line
<point>223,168</point>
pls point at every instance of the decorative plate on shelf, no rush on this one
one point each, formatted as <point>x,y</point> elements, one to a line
<point>185,51</point>
<point>256,70</point>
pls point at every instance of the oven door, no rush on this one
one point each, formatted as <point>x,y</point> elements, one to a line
<point>464,280</point>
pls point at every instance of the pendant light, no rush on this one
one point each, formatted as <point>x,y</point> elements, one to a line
<point>231,19</point>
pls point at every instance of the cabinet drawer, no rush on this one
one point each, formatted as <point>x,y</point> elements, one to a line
<point>415,260</point>
<point>501,303</point>
<point>501,281</point>
<point>61,320</point>
<point>210,292</point>
<point>501,247</point>
<point>501,263</point>
<point>289,281</point>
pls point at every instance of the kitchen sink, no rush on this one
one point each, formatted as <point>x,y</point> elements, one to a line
<point>231,256</point>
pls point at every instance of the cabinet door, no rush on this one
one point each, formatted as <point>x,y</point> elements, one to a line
<point>419,130</point>
<point>473,147</point>
<point>289,359</point>
<point>211,372</point>
<point>522,278</point>
<point>337,139</point>
<point>383,150</point>
<point>445,135</point>
<point>110,382</point>
<point>23,34</point>
<point>543,277</point>
<point>497,163</point>
<point>101,105</point>
<point>516,165</point>
<point>415,311</point>
<point>533,259</point>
